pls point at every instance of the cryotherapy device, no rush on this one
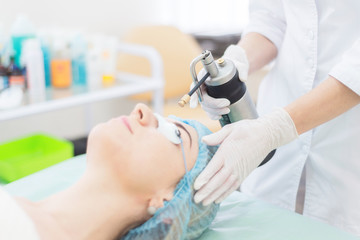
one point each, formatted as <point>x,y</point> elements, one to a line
<point>222,81</point>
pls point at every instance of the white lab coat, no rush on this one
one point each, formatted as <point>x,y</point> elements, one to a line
<point>315,38</point>
<point>14,223</point>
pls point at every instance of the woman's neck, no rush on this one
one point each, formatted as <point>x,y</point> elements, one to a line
<point>90,209</point>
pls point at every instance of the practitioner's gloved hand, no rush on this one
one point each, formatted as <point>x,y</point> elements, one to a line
<point>214,107</point>
<point>217,107</point>
<point>243,146</point>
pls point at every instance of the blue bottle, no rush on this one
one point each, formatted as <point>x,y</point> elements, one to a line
<point>78,61</point>
<point>47,62</point>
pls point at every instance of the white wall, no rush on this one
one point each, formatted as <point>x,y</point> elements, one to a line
<point>106,16</point>
<point>225,16</point>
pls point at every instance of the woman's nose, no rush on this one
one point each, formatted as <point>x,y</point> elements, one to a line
<point>144,115</point>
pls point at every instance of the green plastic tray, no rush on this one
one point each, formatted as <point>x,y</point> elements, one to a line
<point>28,155</point>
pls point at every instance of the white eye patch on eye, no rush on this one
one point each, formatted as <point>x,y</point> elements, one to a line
<point>169,130</point>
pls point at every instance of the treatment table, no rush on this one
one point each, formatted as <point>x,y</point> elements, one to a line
<point>240,216</point>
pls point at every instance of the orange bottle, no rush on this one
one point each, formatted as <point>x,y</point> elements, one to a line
<point>61,73</point>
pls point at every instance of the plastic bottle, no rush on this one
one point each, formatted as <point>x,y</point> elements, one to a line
<point>15,75</point>
<point>93,63</point>
<point>61,75</point>
<point>78,62</point>
<point>109,53</point>
<point>2,39</point>
<point>12,66</point>
<point>21,30</point>
<point>34,62</point>
<point>3,75</point>
<point>45,47</point>
<point>101,61</point>
<point>4,81</point>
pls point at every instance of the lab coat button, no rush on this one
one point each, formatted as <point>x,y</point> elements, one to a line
<point>311,35</point>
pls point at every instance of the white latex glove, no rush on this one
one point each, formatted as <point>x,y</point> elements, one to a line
<point>214,107</point>
<point>217,107</point>
<point>243,146</point>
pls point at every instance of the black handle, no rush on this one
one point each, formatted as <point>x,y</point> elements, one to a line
<point>232,90</point>
<point>268,157</point>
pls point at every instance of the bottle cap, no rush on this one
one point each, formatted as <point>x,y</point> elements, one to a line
<point>22,26</point>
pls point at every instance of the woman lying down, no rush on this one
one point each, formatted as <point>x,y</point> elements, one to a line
<point>138,184</point>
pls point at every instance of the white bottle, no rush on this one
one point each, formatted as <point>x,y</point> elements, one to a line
<point>34,62</point>
<point>108,58</point>
<point>93,63</point>
<point>21,30</point>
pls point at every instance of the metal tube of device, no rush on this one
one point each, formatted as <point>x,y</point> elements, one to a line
<point>224,82</point>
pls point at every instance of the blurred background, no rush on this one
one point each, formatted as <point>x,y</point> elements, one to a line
<point>55,50</point>
<point>117,17</point>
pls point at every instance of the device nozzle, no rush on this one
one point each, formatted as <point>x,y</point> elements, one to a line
<point>184,100</point>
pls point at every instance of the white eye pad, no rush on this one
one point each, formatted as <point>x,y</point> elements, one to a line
<point>169,130</point>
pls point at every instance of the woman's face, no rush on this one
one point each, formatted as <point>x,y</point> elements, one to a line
<point>144,160</point>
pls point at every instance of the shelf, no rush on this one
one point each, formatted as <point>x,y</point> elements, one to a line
<point>127,85</point>
<point>62,98</point>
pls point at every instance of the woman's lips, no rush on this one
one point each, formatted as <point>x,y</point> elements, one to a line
<point>126,122</point>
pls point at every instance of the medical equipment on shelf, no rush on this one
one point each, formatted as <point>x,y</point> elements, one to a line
<point>222,81</point>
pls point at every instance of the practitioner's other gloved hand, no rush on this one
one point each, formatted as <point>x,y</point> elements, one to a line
<point>217,107</point>
<point>243,146</point>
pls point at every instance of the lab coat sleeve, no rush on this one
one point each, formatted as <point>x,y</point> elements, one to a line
<point>14,222</point>
<point>267,18</point>
<point>347,70</point>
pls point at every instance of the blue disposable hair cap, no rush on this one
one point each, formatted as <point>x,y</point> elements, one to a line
<point>182,218</point>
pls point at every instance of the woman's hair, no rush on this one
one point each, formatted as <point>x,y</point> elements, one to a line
<point>182,218</point>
